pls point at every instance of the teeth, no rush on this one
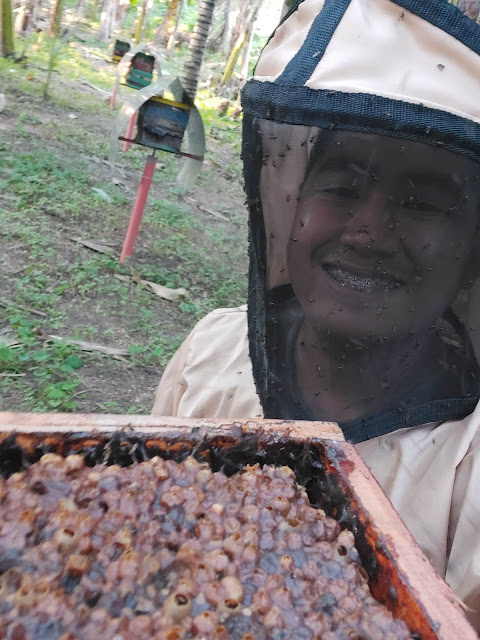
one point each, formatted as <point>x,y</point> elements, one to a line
<point>358,283</point>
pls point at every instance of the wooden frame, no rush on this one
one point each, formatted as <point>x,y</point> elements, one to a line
<point>336,477</point>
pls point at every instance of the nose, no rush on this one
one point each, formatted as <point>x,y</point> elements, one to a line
<point>371,226</point>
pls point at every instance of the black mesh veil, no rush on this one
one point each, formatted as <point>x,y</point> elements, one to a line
<point>363,267</point>
<point>361,151</point>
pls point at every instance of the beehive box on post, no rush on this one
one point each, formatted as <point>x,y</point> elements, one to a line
<point>120,48</point>
<point>339,482</point>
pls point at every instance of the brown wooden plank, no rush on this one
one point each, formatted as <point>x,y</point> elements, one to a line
<point>45,422</point>
<point>413,591</point>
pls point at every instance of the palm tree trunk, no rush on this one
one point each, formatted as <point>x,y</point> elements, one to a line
<point>196,49</point>
<point>7,46</point>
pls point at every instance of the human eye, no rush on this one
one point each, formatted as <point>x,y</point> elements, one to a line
<point>421,207</point>
<point>426,196</point>
<point>339,186</point>
<point>333,183</point>
<point>335,191</point>
<point>340,192</point>
<point>413,203</point>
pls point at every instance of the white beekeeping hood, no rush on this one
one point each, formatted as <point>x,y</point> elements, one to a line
<point>361,161</point>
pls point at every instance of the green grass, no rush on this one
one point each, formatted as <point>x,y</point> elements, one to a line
<point>51,369</point>
<point>53,285</point>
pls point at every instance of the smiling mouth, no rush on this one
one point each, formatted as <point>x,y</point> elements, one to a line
<point>357,282</point>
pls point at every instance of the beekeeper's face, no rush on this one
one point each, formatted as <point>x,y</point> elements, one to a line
<point>383,235</point>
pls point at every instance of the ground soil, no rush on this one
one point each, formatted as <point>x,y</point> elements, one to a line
<point>107,383</point>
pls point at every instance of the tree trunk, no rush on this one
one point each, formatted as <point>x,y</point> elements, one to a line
<point>246,53</point>
<point>85,10</point>
<point>232,58</point>
<point>56,18</point>
<point>168,23</point>
<point>196,49</point>
<point>107,20</point>
<point>81,9</point>
<point>121,15</point>
<point>36,14</point>
<point>142,12</point>
<point>243,29</point>
<point>94,8</point>
<point>7,46</point>
<point>226,28</point>
<point>173,35</point>
<point>220,27</point>
<point>24,17</point>
<point>244,8</point>
<point>471,8</point>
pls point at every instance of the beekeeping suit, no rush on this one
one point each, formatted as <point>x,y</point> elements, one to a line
<point>361,151</point>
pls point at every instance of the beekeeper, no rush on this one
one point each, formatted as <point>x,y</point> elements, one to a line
<point>361,151</point>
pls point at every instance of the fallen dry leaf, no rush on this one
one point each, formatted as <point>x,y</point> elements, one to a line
<point>213,213</point>
<point>202,208</point>
<point>7,303</point>
<point>105,94</point>
<point>174,295</point>
<point>8,337</point>
<point>91,346</point>
<point>98,245</point>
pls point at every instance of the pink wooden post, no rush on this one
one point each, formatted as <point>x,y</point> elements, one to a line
<point>129,133</point>
<point>138,208</point>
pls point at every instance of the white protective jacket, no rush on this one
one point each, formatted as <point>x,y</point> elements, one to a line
<point>431,473</point>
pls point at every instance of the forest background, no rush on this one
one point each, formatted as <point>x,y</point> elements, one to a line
<point>80,331</point>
